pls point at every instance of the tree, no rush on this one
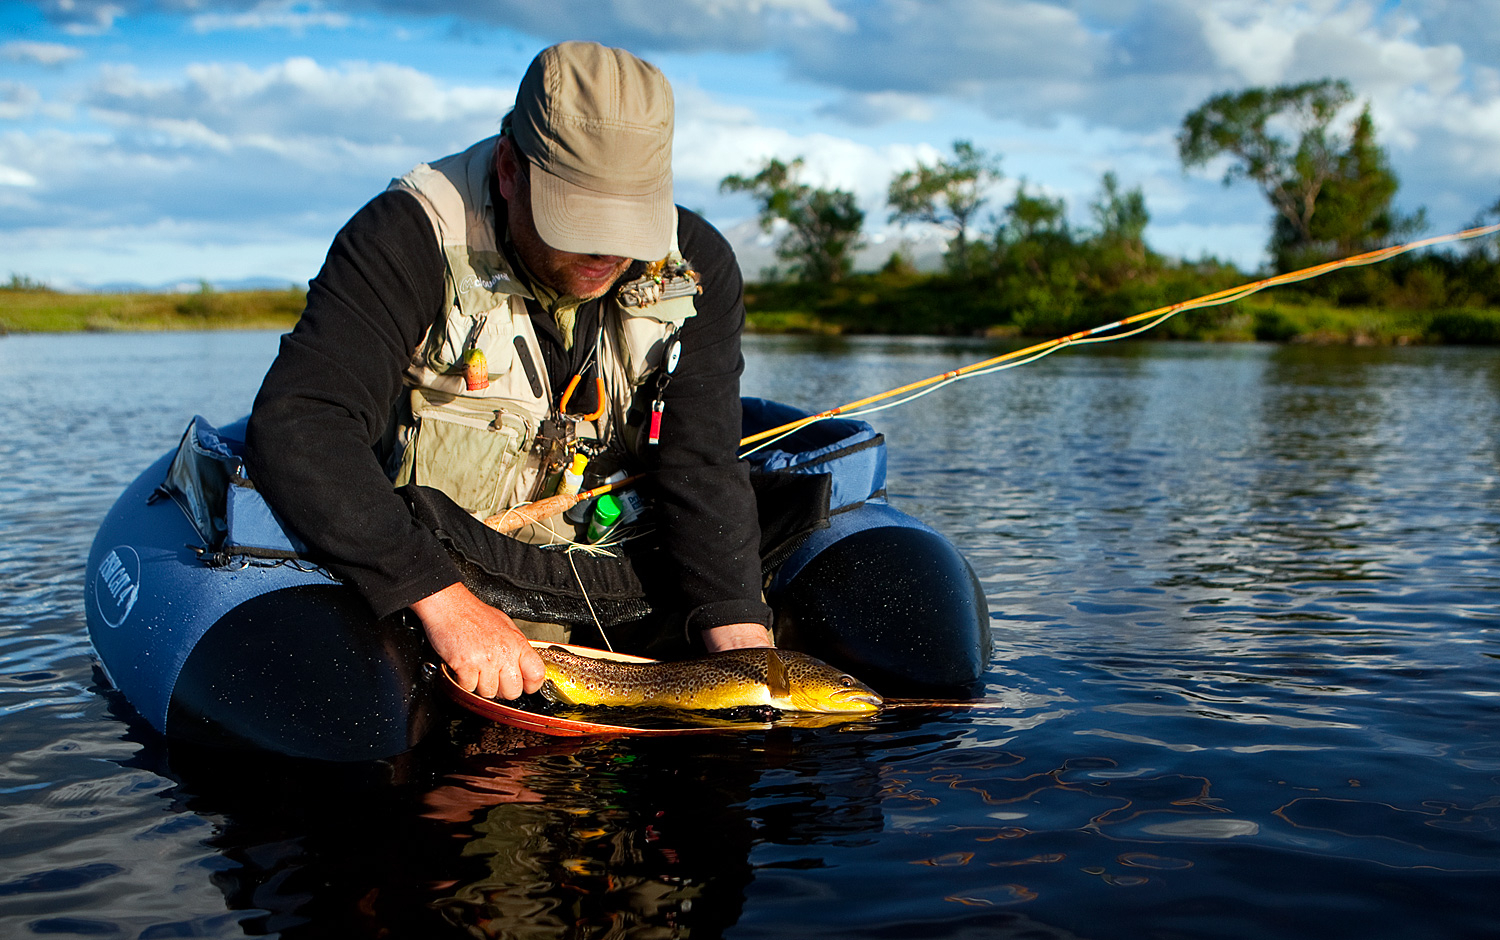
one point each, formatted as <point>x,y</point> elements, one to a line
<point>1240,125</point>
<point>1037,267</point>
<point>1118,246</point>
<point>1354,208</point>
<point>947,194</point>
<point>20,283</point>
<point>1031,218</point>
<point>823,226</point>
<point>1121,217</point>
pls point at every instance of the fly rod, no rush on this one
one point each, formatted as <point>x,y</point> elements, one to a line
<point>1105,333</point>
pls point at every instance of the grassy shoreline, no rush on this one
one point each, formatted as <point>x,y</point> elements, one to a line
<point>41,311</point>
<point>1268,318</point>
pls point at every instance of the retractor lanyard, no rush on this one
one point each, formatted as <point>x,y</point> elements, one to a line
<point>670,357</point>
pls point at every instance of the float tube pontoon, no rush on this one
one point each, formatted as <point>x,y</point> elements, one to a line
<point>211,619</point>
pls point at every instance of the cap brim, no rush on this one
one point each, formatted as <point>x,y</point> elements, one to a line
<point>571,218</point>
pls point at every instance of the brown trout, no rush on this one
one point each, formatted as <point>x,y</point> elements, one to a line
<point>782,679</point>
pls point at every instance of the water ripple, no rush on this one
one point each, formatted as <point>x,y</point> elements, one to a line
<point>1245,684</point>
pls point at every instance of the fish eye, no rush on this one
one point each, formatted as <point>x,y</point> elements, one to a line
<point>846,681</point>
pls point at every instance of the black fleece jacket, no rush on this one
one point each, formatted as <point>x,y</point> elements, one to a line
<point>328,397</point>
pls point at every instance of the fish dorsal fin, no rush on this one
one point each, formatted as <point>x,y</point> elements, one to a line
<point>777,682</point>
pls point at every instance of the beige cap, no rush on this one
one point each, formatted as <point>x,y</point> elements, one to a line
<point>596,125</point>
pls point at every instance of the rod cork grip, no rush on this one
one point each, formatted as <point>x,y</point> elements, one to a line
<point>510,520</point>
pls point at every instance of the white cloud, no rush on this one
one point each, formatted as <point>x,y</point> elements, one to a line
<point>880,107</point>
<point>298,107</point>
<point>1436,111</point>
<point>706,151</point>
<point>288,15</point>
<point>1473,24</point>
<point>1256,40</point>
<point>10,176</point>
<point>41,53</point>
<point>709,148</point>
<point>646,25</point>
<point>82,17</point>
<point>283,154</point>
<point>952,47</point>
<point>1378,56</point>
<point>18,101</point>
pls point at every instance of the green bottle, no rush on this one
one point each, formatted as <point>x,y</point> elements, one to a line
<point>606,513</point>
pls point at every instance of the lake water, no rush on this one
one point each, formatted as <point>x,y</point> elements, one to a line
<point>1245,684</point>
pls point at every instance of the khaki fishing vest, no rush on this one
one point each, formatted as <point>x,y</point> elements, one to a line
<point>475,444</point>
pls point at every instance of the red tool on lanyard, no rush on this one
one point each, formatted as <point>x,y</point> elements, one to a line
<point>663,379</point>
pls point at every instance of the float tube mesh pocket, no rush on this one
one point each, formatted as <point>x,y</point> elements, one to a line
<point>207,480</point>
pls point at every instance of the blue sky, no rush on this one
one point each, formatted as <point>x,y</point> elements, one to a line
<point>159,141</point>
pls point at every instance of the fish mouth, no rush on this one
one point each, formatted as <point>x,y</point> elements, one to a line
<point>854,700</point>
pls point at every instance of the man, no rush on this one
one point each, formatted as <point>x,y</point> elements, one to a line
<point>442,334</point>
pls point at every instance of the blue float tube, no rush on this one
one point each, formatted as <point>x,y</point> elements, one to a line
<point>877,592</point>
<point>206,625</point>
<point>214,628</point>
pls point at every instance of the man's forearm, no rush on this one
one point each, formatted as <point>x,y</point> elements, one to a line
<point>734,636</point>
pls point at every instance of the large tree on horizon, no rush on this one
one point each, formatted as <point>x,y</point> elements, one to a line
<point>1284,139</point>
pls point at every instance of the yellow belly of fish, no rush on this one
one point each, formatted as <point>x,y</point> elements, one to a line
<point>590,690</point>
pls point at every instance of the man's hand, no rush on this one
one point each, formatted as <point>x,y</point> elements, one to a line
<point>488,654</point>
<point>736,636</point>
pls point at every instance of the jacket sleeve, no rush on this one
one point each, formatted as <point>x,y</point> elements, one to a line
<point>709,527</point>
<point>326,403</point>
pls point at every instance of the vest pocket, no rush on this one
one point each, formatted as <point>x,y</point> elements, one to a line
<point>644,332</point>
<point>474,457</point>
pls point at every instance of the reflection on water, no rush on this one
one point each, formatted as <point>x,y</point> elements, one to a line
<point>1244,684</point>
<point>603,838</point>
